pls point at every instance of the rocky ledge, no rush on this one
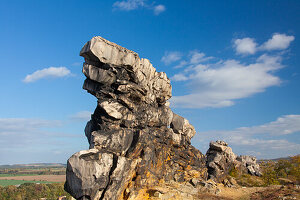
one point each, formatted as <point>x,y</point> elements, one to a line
<point>137,144</point>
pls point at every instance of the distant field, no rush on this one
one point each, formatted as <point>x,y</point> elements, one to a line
<point>47,178</point>
<point>10,175</point>
<point>18,182</point>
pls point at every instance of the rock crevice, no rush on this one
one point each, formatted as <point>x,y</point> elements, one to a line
<point>136,141</point>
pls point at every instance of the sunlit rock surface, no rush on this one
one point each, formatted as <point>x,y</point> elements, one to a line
<point>221,159</point>
<point>138,147</point>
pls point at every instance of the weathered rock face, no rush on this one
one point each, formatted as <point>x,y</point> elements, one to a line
<point>136,142</point>
<point>221,159</point>
<point>249,162</point>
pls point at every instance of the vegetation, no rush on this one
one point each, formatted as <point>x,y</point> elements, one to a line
<point>273,173</point>
<point>33,191</point>
<point>32,171</point>
<point>18,182</point>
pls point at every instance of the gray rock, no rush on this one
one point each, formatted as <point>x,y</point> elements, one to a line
<point>97,74</point>
<point>113,109</point>
<point>182,126</point>
<point>220,160</point>
<point>250,163</point>
<point>99,49</point>
<point>88,173</point>
<point>132,147</point>
<point>115,141</point>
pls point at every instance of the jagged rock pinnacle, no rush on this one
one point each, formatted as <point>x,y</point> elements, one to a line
<point>136,142</point>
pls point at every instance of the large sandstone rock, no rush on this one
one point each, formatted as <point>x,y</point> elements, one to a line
<point>137,144</point>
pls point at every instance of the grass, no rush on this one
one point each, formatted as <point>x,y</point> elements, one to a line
<point>18,182</point>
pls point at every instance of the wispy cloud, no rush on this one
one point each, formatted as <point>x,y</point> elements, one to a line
<point>249,46</point>
<point>130,5</point>
<point>9,125</point>
<point>267,139</point>
<point>219,84</point>
<point>159,9</point>
<point>75,64</point>
<point>82,116</point>
<point>193,57</point>
<point>51,72</point>
<point>170,57</point>
<point>198,57</point>
<point>35,140</point>
<point>27,131</point>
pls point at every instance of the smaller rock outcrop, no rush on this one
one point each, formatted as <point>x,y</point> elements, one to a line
<point>249,162</point>
<point>221,159</point>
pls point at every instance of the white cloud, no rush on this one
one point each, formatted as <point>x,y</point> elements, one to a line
<point>159,9</point>
<point>219,84</point>
<point>181,64</point>
<point>76,64</point>
<point>171,57</point>
<point>82,116</point>
<point>284,125</point>
<point>54,72</point>
<point>129,4</point>
<point>249,46</point>
<point>8,125</point>
<point>27,131</point>
<point>278,42</point>
<point>198,57</point>
<point>245,46</point>
<point>267,139</point>
<point>25,140</point>
<point>179,77</point>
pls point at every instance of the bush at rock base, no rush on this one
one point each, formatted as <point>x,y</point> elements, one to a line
<point>273,173</point>
<point>33,191</point>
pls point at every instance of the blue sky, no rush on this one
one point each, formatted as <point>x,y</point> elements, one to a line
<point>233,66</point>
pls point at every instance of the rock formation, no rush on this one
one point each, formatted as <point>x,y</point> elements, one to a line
<point>137,144</point>
<point>249,163</point>
<point>221,159</point>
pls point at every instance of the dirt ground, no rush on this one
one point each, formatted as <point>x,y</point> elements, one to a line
<point>50,178</point>
<point>277,192</point>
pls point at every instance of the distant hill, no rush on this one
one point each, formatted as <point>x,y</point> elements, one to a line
<point>277,159</point>
<point>33,165</point>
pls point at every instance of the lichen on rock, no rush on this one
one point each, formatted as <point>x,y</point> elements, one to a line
<point>136,142</point>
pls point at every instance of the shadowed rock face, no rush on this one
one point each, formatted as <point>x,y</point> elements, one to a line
<point>136,141</point>
<point>221,159</point>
